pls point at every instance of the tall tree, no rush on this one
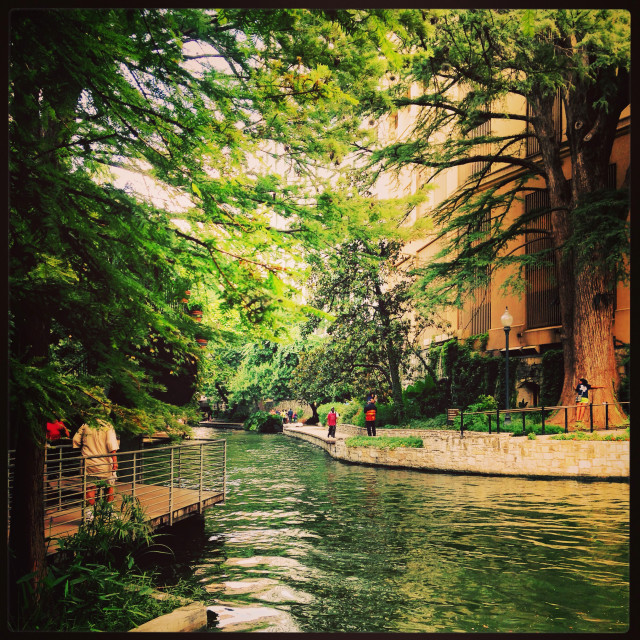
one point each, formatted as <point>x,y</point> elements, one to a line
<point>469,64</point>
<point>184,97</point>
<point>368,296</point>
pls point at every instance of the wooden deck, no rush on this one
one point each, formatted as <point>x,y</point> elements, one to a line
<point>160,506</point>
<point>170,483</point>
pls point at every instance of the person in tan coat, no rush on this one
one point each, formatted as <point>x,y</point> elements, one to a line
<point>98,440</point>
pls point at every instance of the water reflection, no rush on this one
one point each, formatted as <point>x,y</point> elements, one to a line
<point>353,548</point>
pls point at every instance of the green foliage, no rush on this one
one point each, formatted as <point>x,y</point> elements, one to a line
<point>552,377</point>
<point>95,586</point>
<point>624,358</point>
<point>84,596</point>
<point>423,398</point>
<point>369,337</point>
<point>438,422</point>
<point>350,410</point>
<point>387,415</point>
<point>319,377</point>
<point>601,234</point>
<point>586,435</point>
<point>466,371</point>
<point>385,442</point>
<point>531,435</point>
<point>263,422</point>
<point>479,422</point>
<point>112,534</point>
<point>466,69</point>
<point>341,409</point>
<point>264,372</point>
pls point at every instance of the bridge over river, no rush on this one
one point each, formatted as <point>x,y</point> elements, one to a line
<point>171,483</point>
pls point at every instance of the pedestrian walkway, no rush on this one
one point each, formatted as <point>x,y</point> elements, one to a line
<point>480,453</point>
<point>169,483</point>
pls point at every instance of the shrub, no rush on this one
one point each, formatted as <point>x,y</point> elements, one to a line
<point>263,422</point>
<point>478,422</point>
<point>94,585</point>
<point>423,398</point>
<point>385,442</point>
<point>341,409</point>
<point>581,435</point>
<point>350,410</point>
<point>437,422</point>
<point>386,416</point>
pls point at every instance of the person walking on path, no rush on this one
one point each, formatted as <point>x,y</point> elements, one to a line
<point>370,416</point>
<point>332,421</point>
<point>290,415</point>
<point>582,400</point>
<point>98,440</point>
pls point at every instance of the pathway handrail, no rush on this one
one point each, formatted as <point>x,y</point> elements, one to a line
<point>524,410</point>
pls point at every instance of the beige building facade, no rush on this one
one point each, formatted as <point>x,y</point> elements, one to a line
<point>536,325</point>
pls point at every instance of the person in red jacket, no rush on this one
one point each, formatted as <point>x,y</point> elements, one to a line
<point>332,421</point>
<point>370,416</point>
<point>56,430</point>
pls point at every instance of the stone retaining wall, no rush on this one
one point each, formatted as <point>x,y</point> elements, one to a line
<point>483,453</point>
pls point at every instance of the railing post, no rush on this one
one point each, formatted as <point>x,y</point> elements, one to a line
<point>566,420</point>
<point>134,475</point>
<point>542,421</point>
<point>523,422</point>
<point>60,479</point>
<point>224,469</point>
<point>498,420</point>
<point>84,486</point>
<point>201,476</point>
<point>171,488</point>
<point>606,415</point>
<point>462,423</point>
<point>591,416</point>
<point>489,416</point>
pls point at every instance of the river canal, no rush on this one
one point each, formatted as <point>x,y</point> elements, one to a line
<point>335,547</point>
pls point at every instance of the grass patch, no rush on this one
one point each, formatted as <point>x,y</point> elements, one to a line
<point>385,442</point>
<point>584,435</point>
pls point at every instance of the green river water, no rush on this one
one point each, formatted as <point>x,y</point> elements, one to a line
<point>336,547</point>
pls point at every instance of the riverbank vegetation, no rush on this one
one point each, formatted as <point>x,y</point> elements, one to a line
<point>588,436</point>
<point>96,583</point>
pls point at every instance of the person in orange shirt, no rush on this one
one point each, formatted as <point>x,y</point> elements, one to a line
<point>370,416</point>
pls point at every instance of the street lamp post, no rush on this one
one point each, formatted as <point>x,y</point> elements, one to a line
<point>507,321</point>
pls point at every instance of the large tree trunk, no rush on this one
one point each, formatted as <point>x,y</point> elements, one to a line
<point>586,294</point>
<point>27,550</point>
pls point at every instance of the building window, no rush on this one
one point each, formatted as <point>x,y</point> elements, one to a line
<point>542,298</point>
<point>481,149</point>
<point>477,315</point>
<point>533,146</point>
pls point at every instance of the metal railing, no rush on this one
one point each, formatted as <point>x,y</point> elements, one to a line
<point>163,479</point>
<point>544,413</point>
